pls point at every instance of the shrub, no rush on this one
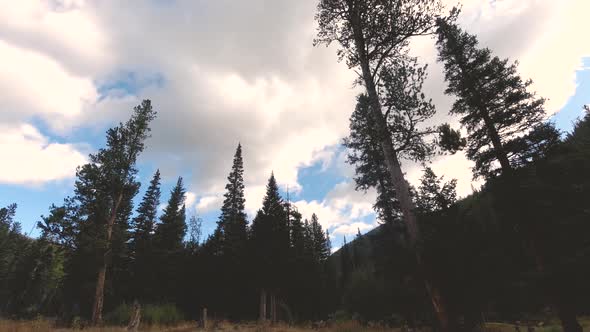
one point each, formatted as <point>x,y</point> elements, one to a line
<point>151,314</point>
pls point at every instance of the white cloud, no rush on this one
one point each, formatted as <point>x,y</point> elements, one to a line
<point>353,228</point>
<point>209,203</point>
<point>31,159</point>
<point>341,206</point>
<point>190,199</point>
<point>33,84</point>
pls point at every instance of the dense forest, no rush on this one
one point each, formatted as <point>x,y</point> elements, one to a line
<point>517,247</point>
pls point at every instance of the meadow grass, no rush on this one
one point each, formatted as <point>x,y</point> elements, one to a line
<point>43,325</point>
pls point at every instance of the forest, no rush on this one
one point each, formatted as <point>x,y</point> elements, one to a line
<point>516,251</point>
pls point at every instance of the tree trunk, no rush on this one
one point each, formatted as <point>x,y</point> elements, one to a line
<point>262,309</point>
<point>102,271</point>
<point>397,177</point>
<point>496,142</point>
<point>273,307</point>
<point>135,317</point>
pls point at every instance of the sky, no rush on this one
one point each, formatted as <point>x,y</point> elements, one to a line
<point>222,72</point>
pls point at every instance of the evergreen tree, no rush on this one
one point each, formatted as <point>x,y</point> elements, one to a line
<point>104,191</point>
<point>271,244</point>
<point>170,232</point>
<point>504,122</point>
<point>142,245</point>
<point>232,221</point>
<point>169,244</point>
<point>365,154</point>
<point>373,36</point>
<point>494,104</point>
<point>232,236</point>
<point>433,195</point>
<point>321,245</point>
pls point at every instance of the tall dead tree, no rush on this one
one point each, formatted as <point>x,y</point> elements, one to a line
<point>371,34</point>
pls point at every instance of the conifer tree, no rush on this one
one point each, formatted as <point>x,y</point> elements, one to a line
<point>433,194</point>
<point>271,244</point>
<point>231,236</point>
<point>171,230</point>
<point>142,241</point>
<point>321,247</point>
<point>169,243</point>
<point>504,121</point>
<point>494,104</point>
<point>232,222</point>
<point>104,191</point>
<point>373,34</point>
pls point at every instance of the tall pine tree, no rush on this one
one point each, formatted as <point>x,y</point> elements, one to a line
<point>232,221</point>
<point>169,241</point>
<point>104,191</point>
<point>494,104</point>
<point>171,230</point>
<point>232,238</point>
<point>271,245</point>
<point>142,241</point>
<point>505,125</point>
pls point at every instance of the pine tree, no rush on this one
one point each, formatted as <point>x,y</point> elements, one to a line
<point>230,238</point>
<point>321,247</point>
<point>171,230</point>
<point>145,221</point>
<point>104,191</point>
<point>505,125</point>
<point>434,195</point>
<point>232,222</point>
<point>169,245</point>
<point>372,35</point>
<point>271,244</point>
<point>142,242</point>
<point>494,104</point>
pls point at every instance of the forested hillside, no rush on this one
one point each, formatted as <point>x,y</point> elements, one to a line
<point>518,248</point>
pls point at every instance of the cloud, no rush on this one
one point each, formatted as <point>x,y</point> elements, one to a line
<point>341,206</point>
<point>209,203</point>
<point>34,85</point>
<point>190,199</point>
<point>31,159</point>
<point>353,228</point>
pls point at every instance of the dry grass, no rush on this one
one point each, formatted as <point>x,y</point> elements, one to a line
<point>350,326</point>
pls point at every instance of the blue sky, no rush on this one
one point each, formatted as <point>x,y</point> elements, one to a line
<point>233,73</point>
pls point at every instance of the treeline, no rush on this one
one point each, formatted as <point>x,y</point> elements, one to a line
<point>95,254</point>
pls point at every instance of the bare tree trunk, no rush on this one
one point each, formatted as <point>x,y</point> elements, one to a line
<point>262,309</point>
<point>399,182</point>
<point>135,317</point>
<point>102,271</point>
<point>204,318</point>
<point>273,307</point>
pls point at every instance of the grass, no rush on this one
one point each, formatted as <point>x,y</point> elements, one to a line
<point>42,325</point>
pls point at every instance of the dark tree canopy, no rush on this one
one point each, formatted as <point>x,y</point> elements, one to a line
<point>493,102</point>
<point>171,230</point>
